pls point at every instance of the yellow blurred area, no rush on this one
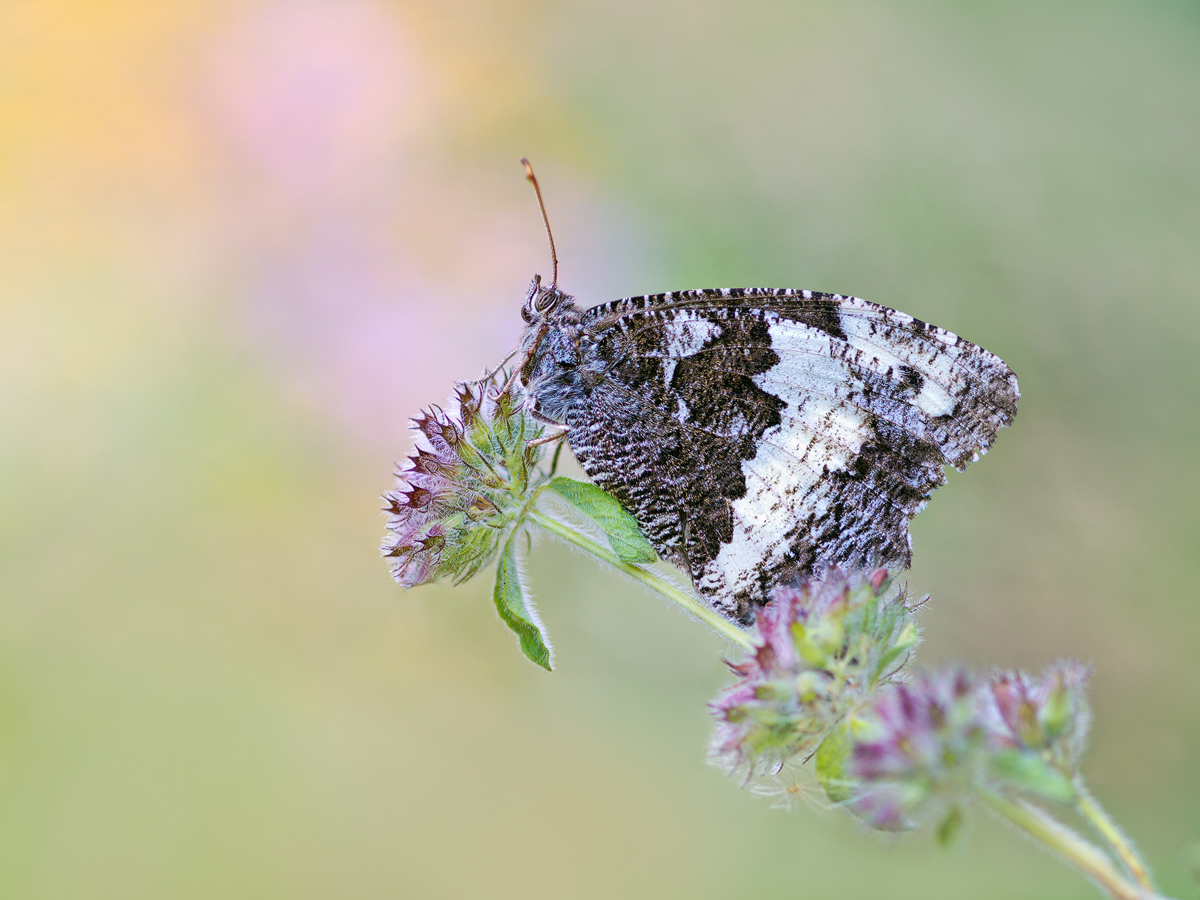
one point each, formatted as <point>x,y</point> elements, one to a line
<point>242,241</point>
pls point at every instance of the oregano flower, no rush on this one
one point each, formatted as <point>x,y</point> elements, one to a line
<point>459,493</point>
<point>823,646</point>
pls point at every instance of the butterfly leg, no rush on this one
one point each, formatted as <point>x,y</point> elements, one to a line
<point>552,436</point>
<point>488,376</point>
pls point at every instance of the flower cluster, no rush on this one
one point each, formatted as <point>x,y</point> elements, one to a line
<point>469,496</point>
<point>457,495</point>
<point>823,648</point>
<point>824,676</point>
<point>924,746</point>
<point>825,679</point>
<point>915,746</point>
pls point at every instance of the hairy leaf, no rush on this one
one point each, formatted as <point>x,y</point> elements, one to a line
<point>618,526</point>
<point>516,610</point>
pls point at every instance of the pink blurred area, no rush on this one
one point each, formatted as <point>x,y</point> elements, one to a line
<point>318,98</point>
<point>322,115</point>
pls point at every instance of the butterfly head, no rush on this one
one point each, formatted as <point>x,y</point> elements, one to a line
<point>543,303</point>
<point>550,350</point>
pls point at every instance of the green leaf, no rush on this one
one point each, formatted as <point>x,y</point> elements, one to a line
<point>619,527</point>
<point>810,650</point>
<point>516,610</point>
<point>1026,770</point>
<point>832,756</point>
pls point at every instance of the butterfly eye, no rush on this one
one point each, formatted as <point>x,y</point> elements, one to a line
<point>527,314</point>
<point>544,300</point>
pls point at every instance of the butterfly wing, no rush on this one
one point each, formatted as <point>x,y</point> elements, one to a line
<point>757,434</point>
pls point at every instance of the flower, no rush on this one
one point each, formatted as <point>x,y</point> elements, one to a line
<point>456,496</point>
<point>824,646</point>
<point>916,744</point>
<point>925,745</point>
<point>1045,714</point>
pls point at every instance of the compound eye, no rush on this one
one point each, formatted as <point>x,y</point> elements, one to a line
<point>544,300</point>
<point>527,314</point>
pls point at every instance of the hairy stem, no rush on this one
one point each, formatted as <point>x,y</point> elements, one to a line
<point>1087,807</point>
<point>1065,843</point>
<point>689,603</point>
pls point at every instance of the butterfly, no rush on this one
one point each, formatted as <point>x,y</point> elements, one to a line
<point>759,435</point>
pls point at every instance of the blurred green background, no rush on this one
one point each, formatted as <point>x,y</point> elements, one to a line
<point>242,241</point>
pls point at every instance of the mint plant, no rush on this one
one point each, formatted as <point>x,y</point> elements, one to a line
<point>825,682</point>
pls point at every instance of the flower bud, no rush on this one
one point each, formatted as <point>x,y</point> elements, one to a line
<point>1049,713</point>
<point>456,494</point>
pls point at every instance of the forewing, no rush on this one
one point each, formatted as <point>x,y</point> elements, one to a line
<point>766,432</point>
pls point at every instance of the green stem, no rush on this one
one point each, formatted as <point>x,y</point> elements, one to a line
<point>1086,806</point>
<point>718,622</point>
<point>1055,836</point>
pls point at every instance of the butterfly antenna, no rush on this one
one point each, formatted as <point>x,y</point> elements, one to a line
<point>532,179</point>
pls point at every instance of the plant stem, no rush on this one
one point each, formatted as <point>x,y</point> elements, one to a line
<point>1087,807</point>
<point>718,622</point>
<point>1055,836</point>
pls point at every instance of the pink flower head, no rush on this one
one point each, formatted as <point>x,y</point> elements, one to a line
<point>920,740</point>
<point>1046,713</point>
<point>823,646</point>
<point>452,500</point>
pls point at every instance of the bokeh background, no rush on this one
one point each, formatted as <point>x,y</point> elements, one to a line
<point>242,241</point>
